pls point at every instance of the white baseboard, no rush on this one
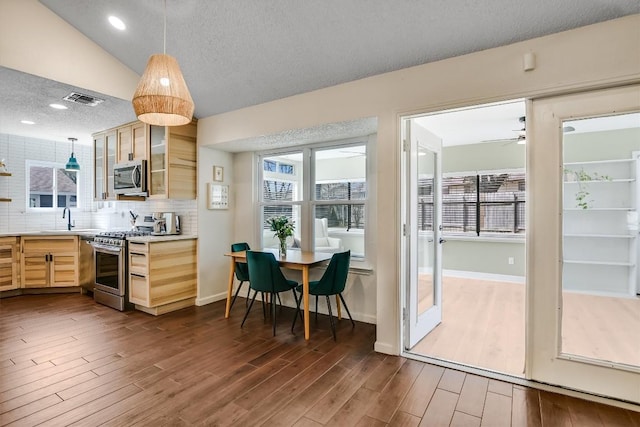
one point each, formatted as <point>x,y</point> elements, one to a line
<point>483,276</point>
<point>381,347</point>
<point>211,298</point>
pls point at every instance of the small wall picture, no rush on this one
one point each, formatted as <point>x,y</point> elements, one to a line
<point>218,173</point>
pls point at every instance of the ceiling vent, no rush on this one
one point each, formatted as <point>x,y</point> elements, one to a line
<point>81,98</point>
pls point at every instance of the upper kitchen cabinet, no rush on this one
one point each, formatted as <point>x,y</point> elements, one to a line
<point>104,154</point>
<point>132,142</point>
<point>172,162</point>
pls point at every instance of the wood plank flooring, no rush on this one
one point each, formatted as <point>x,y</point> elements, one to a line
<point>65,360</point>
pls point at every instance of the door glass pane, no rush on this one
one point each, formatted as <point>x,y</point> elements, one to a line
<point>110,143</point>
<point>600,304</point>
<point>157,163</point>
<point>426,243</point>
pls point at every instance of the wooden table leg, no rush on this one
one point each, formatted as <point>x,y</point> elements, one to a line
<point>232,271</point>
<point>338,305</point>
<point>305,295</point>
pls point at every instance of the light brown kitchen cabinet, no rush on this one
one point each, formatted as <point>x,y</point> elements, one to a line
<point>104,155</point>
<point>9,263</point>
<point>50,261</point>
<point>172,162</point>
<point>162,275</point>
<point>132,142</point>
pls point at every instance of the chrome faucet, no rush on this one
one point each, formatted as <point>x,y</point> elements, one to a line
<point>69,226</point>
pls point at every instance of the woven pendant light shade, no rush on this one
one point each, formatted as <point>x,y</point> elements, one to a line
<point>162,97</point>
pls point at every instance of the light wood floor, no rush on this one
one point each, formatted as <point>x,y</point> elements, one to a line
<point>483,325</point>
<point>65,360</point>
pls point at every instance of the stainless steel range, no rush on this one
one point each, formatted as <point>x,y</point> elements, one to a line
<point>110,283</point>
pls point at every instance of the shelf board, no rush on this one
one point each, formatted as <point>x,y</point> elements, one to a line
<point>5,173</point>
<point>599,209</point>
<point>594,181</point>
<point>2,199</point>
<point>610,263</point>
<point>602,236</point>
<point>599,162</point>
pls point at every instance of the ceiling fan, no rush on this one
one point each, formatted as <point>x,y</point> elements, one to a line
<point>522,133</point>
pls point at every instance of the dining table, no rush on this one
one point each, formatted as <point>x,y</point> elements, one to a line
<point>294,260</point>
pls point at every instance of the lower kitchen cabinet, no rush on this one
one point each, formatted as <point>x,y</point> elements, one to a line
<point>162,274</point>
<point>9,263</point>
<point>53,261</point>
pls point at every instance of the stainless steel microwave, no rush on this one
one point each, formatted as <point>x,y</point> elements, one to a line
<point>130,178</point>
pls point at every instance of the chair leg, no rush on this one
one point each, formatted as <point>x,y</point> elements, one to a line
<point>236,295</point>
<point>274,303</point>
<point>279,300</point>
<point>333,327</point>
<point>353,324</point>
<point>316,308</point>
<point>264,310</point>
<point>298,312</point>
<point>246,303</point>
<point>249,308</point>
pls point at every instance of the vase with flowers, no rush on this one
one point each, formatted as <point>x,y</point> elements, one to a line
<point>282,228</point>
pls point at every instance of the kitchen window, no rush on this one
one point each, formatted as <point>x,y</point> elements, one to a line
<point>323,189</point>
<point>49,186</point>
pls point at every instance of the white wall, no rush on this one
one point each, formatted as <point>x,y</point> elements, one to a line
<point>215,227</point>
<point>37,41</point>
<point>593,56</point>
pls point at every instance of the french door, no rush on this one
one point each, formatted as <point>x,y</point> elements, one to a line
<point>421,229</point>
<point>582,250</point>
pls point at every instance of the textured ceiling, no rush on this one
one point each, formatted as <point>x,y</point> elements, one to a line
<point>237,53</point>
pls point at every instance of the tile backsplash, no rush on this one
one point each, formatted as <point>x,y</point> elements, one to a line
<point>16,217</point>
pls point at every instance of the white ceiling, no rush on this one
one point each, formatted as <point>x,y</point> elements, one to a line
<point>237,53</point>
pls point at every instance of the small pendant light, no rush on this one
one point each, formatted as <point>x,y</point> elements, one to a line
<point>72,164</point>
<point>162,97</point>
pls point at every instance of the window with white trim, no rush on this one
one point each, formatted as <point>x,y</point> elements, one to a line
<point>326,196</point>
<point>49,186</point>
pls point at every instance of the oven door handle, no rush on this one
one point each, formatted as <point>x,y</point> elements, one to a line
<point>106,249</point>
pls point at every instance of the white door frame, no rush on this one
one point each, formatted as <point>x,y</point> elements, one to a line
<point>418,324</point>
<point>544,246</point>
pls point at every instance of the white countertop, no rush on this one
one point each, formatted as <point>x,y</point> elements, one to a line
<point>80,232</point>
<point>166,238</point>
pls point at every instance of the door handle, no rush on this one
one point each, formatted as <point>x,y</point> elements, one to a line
<point>441,241</point>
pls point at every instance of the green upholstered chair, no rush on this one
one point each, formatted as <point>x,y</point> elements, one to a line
<point>265,276</point>
<point>332,282</point>
<point>242,272</point>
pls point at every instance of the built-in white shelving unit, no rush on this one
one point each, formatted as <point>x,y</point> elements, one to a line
<point>600,223</point>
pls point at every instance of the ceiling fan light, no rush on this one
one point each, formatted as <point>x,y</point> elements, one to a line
<point>162,97</point>
<point>522,141</point>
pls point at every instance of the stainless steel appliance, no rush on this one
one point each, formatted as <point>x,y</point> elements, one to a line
<point>110,257</point>
<point>165,223</point>
<point>130,178</point>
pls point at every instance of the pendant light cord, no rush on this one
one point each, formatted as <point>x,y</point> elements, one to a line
<point>164,41</point>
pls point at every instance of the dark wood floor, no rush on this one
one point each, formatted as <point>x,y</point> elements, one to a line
<point>67,361</point>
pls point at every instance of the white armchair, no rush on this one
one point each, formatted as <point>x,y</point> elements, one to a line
<point>324,243</point>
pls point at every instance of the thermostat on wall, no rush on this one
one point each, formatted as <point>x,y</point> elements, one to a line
<point>218,196</point>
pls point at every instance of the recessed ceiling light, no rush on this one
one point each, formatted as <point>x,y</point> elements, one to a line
<point>58,106</point>
<point>117,23</point>
<point>27,122</point>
